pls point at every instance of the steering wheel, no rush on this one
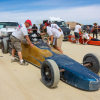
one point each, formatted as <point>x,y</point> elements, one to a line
<point>39,36</point>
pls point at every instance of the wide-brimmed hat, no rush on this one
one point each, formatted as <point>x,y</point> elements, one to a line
<point>94,23</point>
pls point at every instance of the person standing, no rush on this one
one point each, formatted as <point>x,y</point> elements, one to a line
<point>99,30</point>
<point>76,32</point>
<point>16,38</point>
<point>88,29</point>
<point>54,25</point>
<point>68,26</point>
<point>34,28</point>
<point>34,31</point>
<point>42,32</point>
<point>55,35</point>
<point>95,30</point>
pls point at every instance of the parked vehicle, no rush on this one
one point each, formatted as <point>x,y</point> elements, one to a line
<point>85,26</point>
<point>6,29</point>
<point>59,21</point>
<point>93,41</point>
<point>55,65</point>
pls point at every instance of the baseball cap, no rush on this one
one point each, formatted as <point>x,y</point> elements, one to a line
<point>42,26</point>
<point>47,23</point>
<point>28,21</point>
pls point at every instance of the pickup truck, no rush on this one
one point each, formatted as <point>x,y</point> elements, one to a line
<point>6,29</point>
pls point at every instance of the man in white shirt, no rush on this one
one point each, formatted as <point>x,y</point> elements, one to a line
<point>56,27</point>
<point>53,25</point>
<point>16,38</point>
<point>55,35</point>
<point>76,32</point>
<point>86,36</point>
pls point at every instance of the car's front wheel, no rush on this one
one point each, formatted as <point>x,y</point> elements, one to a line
<point>50,73</point>
<point>93,60</point>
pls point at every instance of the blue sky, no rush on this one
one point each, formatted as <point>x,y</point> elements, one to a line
<point>69,10</point>
<point>30,5</point>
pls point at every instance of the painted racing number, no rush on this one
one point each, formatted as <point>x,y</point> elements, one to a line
<point>73,39</point>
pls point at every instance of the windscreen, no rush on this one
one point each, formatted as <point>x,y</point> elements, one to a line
<point>90,26</point>
<point>60,23</point>
<point>4,24</point>
<point>41,43</point>
<point>84,26</point>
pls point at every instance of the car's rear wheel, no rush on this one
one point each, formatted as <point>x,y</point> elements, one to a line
<point>65,38</point>
<point>50,73</point>
<point>10,47</point>
<point>4,46</point>
<point>0,45</point>
<point>94,61</point>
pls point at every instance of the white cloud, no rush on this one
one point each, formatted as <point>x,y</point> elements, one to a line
<point>84,15</point>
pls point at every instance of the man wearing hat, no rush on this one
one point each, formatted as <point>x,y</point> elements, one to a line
<point>53,25</point>
<point>43,31</point>
<point>55,35</point>
<point>95,30</point>
<point>16,38</point>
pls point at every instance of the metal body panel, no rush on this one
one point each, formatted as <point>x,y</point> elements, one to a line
<point>75,74</point>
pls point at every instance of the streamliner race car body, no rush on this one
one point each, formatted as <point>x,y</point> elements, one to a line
<point>93,41</point>
<point>55,65</point>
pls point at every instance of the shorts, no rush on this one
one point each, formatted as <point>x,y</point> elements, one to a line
<point>85,36</point>
<point>42,36</point>
<point>58,41</point>
<point>95,32</point>
<point>16,44</point>
<point>76,35</point>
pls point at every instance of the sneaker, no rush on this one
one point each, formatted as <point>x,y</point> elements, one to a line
<point>83,43</point>
<point>22,63</point>
<point>14,60</point>
<point>86,44</point>
<point>78,43</point>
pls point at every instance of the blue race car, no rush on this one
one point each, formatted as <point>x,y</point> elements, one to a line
<point>55,65</point>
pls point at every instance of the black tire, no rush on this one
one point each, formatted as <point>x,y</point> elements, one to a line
<point>4,46</point>
<point>0,45</point>
<point>10,47</point>
<point>51,68</point>
<point>65,38</point>
<point>94,60</point>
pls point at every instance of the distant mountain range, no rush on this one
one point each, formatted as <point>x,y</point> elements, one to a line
<point>72,24</point>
